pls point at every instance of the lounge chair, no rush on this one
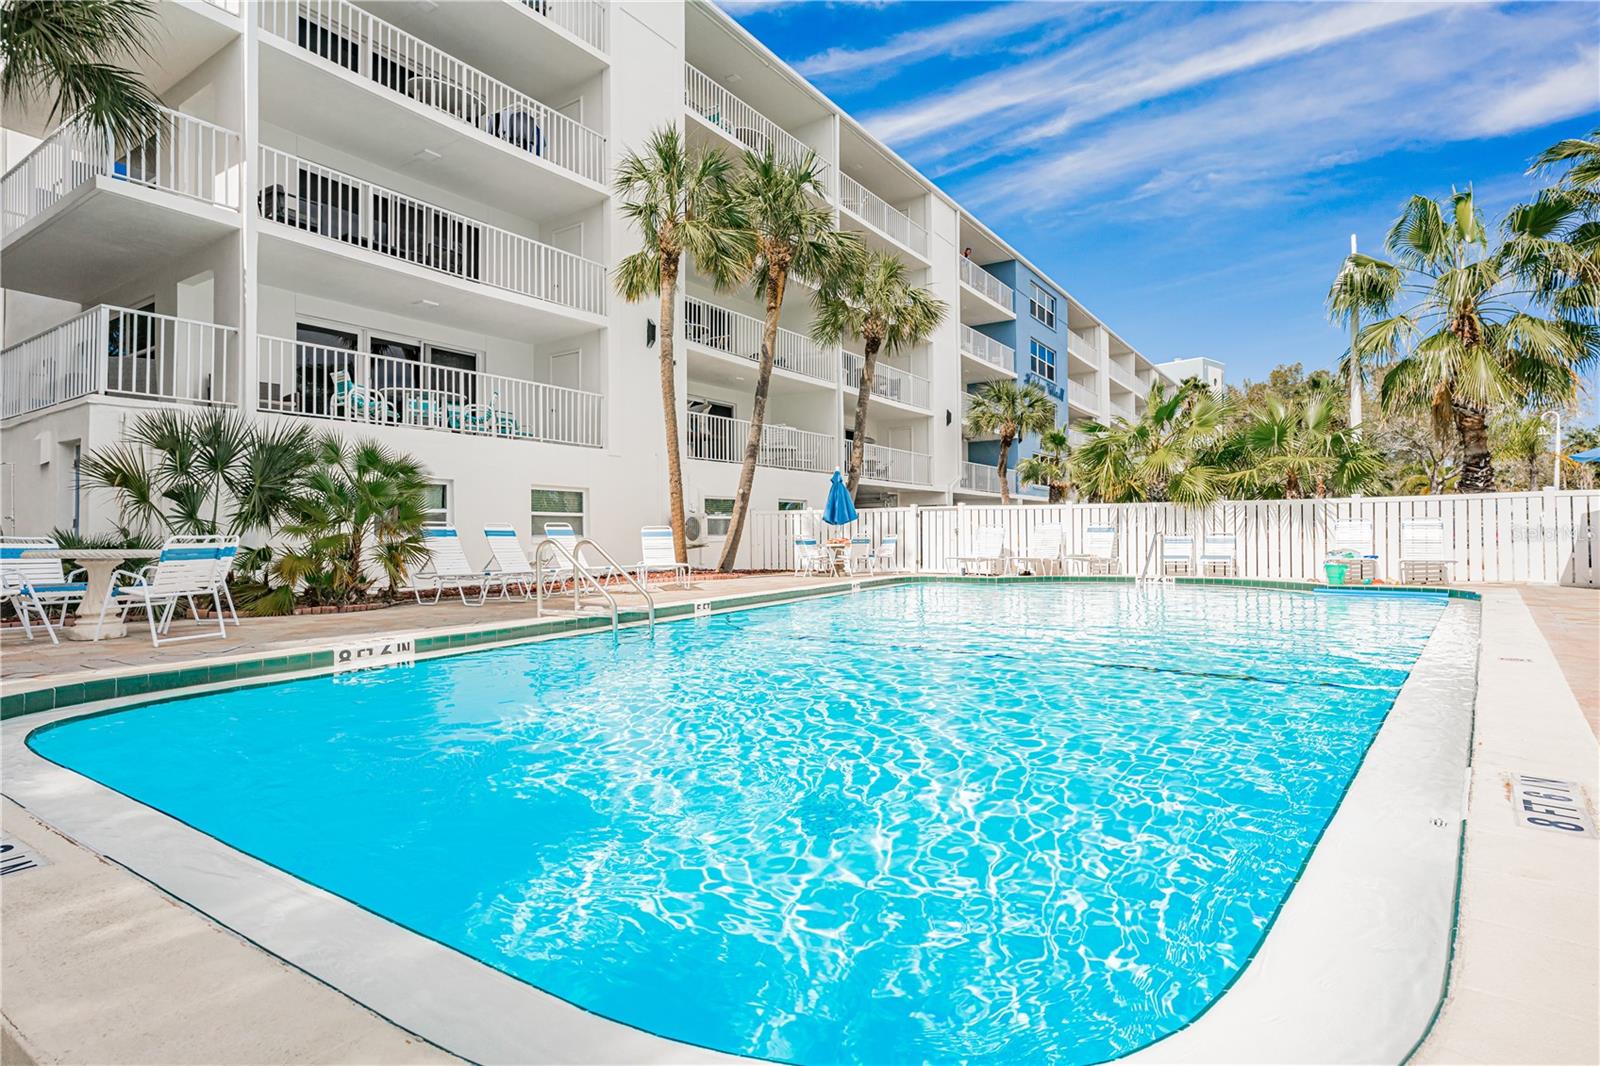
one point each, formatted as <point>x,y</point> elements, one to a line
<point>1177,554</point>
<point>1044,551</point>
<point>988,555</point>
<point>564,535</point>
<point>189,569</point>
<point>887,555</point>
<point>33,584</point>
<point>447,568</point>
<point>811,557</point>
<point>858,556</point>
<point>508,563</point>
<point>1350,543</point>
<point>1099,555</point>
<point>1423,556</point>
<point>227,555</point>
<point>1219,555</point>
<point>659,556</point>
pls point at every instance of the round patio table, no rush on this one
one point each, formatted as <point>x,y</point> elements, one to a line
<point>99,564</point>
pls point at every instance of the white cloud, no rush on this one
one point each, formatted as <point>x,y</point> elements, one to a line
<point>977,32</point>
<point>1564,92</point>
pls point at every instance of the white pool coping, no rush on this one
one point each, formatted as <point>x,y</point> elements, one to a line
<point>1351,970</point>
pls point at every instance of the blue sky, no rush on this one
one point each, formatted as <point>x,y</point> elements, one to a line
<point>1193,172</point>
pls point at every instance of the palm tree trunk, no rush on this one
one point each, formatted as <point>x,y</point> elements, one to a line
<point>1477,469</point>
<point>1005,455</point>
<point>858,443</point>
<point>1533,473</point>
<point>758,417</point>
<point>669,408</point>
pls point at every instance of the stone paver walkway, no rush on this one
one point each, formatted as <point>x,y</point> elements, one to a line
<point>1569,619</point>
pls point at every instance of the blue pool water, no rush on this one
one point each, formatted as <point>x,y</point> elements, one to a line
<point>999,823</point>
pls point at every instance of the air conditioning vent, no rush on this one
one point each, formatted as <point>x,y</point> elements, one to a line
<point>694,529</point>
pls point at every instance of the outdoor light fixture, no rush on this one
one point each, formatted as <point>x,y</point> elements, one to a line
<point>649,333</point>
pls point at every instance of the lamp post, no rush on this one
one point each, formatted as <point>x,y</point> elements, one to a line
<point>1556,465</point>
<point>1355,360</point>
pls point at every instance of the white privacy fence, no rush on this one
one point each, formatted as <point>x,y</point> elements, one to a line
<point>881,215</point>
<point>739,335</point>
<point>890,382</point>
<point>723,440</point>
<point>1531,537</point>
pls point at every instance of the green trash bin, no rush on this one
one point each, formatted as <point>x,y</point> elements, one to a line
<point>1335,572</point>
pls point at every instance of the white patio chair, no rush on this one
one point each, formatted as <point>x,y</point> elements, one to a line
<point>34,584</point>
<point>563,534</point>
<point>1177,554</point>
<point>657,555</point>
<point>447,568</point>
<point>811,557</point>
<point>1423,556</point>
<point>1043,554</point>
<point>988,555</point>
<point>508,563</point>
<point>1099,555</point>
<point>1219,554</point>
<point>227,555</point>
<point>188,569</point>
<point>1351,543</point>
<point>887,555</point>
<point>858,556</point>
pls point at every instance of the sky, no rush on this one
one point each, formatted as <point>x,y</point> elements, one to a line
<point>1192,172</point>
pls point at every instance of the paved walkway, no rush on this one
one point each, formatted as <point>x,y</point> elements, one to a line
<point>1569,619</point>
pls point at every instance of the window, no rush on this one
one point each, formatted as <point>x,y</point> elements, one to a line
<point>1042,305</point>
<point>719,513</point>
<point>435,505</point>
<point>557,505</point>
<point>791,505</point>
<point>1042,359</point>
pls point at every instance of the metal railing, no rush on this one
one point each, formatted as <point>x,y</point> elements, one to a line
<point>979,477</point>
<point>232,7</point>
<point>880,463</point>
<point>332,204</point>
<point>986,284</point>
<point>314,381</point>
<point>744,123</point>
<point>188,157</point>
<point>576,569</point>
<point>122,352</point>
<point>881,215</point>
<point>890,382</point>
<point>739,335</point>
<point>584,19</point>
<point>723,440</point>
<point>986,348</point>
<point>353,39</point>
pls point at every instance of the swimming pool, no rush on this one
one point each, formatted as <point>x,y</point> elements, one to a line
<point>1002,822</point>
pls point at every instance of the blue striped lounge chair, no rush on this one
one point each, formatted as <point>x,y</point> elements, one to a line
<point>33,584</point>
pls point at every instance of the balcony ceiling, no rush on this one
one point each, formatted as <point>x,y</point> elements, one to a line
<point>719,370</point>
<point>864,162</point>
<point>974,370</point>
<point>979,310</point>
<point>737,67</point>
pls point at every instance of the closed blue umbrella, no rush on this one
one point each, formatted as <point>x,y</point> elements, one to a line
<point>840,509</point>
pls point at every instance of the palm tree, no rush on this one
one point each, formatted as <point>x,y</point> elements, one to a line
<point>1286,446</point>
<point>677,197</point>
<point>1173,452</point>
<point>1554,242</point>
<point>1464,341</point>
<point>62,51</point>
<point>784,205</point>
<point>1050,466</point>
<point>1519,437</point>
<point>1009,411</point>
<point>879,304</point>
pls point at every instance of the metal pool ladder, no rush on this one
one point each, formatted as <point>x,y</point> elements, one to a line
<point>1152,557</point>
<point>549,551</point>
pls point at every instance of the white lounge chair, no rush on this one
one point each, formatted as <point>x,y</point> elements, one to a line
<point>1219,554</point>
<point>33,584</point>
<point>1423,556</point>
<point>1351,543</point>
<point>1177,554</point>
<point>508,563</point>
<point>188,569</point>
<point>563,534</point>
<point>659,556</point>
<point>227,555</point>
<point>447,568</point>
<point>988,555</point>
<point>1099,555</point>
<point>1044,550</point>
<point>887,554</point>
<point>858,556</point>
<point>811,557</point>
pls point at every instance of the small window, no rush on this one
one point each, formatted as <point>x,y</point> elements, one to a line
<point>435,505</point>
<point>791,505</point>
<point>1042,360</point>
<point>1042,305</point>
<point>719,513</point>
<point>557,505</point>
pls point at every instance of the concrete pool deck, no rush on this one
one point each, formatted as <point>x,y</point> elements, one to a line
<point>1506,878</point>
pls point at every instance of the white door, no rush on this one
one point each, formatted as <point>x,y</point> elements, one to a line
<point>563,410</point>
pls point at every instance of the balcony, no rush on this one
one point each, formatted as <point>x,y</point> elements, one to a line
<point>984,297</point>
<point>80,215</point>
<point>882,216</point>
<point>339,75</point>
<point>116,351</point>
<point>982,477</point>
<point>984,358</point>
<point>888,382</point>
<point>411,246</point>
<point>1121,376</point>
<point>722,440</point>
<point>895,466</point>
<point>731,333</point>
<point>312,381</point>
<point>1084,398</point>
<point>742,124</point>
<point>584,19</point>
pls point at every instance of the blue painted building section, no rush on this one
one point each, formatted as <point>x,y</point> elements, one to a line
<point>1027,335</point>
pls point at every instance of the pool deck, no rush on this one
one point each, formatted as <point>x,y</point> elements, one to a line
<point>100,966</point>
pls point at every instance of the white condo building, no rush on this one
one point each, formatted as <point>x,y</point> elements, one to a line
<point>414,198</point>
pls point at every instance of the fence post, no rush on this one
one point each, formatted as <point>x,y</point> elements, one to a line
<point>914,538</point>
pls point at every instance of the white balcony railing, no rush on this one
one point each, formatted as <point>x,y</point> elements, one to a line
<point>1122,376</point>
<point>310,197</point>
<point>121,352</point>
<point>1085,396</point>
<point>880,463</point>
<point>723,440</point>
<point>986,284</point>
<point>232,7</point>
<point>1081,346</point>
<point>350,386</point>
<point>739,335</point>
<point>881,215</point>
<point>890,382</point>
<point>188,157</point>
<point>348,37</point>
<point>584,19</point>
<point>987,349</point>
<point>742,122</point>
<point>983,477</point>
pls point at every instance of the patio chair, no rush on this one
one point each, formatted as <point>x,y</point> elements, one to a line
<point>887,555</point>
<point>988,554</point>
<point>1043,554</point>
<point>34,584</point>
<point>1219,555</point>
<point>1177,554</point>
<point>811,557</point>
<point>1099,555</point>
<point>357,401</point>
<point>508,563</point>
<point>1423,556</point>
<point>657,555</point>
<point>563,534</point>
<point>189,569</point>
<point>1351,543</point>
<point>227,555</point>
<point>447,568</point>
<point>858,556</point>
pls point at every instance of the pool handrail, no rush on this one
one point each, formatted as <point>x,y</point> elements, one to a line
<point>582,575</point>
